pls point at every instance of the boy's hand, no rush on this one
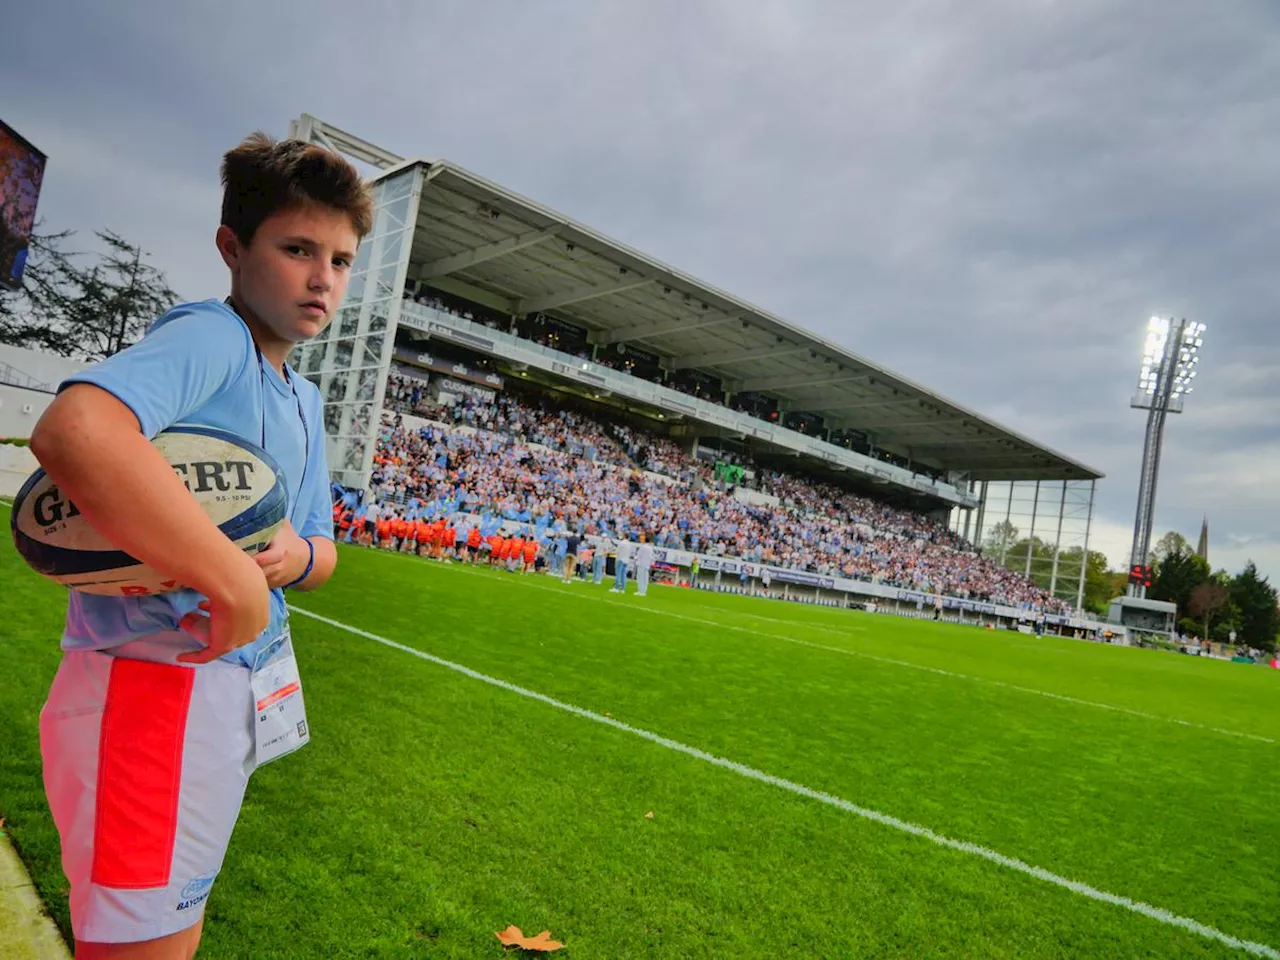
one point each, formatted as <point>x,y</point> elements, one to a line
<point>285,557</point>
<point>233,616</point>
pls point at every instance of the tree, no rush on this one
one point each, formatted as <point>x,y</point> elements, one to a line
<point>1177,574</point>
<point>83,311</point>
<point>25,314</point>
<point>1041,560</point>
<point>1189,626</point>
<point>1256,600</point>
<point>1207,599</point>
<point>999,539</point>
<point>1097,583</point>
<point>1098,587</point>
<point>1118,582</point>
<point>1226,621</point>
<point>1171,543</point>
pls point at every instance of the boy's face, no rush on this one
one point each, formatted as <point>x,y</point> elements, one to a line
<point>293,275</point>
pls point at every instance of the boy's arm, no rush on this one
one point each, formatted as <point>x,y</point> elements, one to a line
<point>91,444</point>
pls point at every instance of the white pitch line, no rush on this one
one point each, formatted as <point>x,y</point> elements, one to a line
<point>1083,889</point>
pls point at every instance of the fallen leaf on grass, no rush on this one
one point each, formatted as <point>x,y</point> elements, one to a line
<point>649,815</point>
<point>514,937</point>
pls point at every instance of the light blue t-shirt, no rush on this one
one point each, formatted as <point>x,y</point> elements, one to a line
<point>197,365</point>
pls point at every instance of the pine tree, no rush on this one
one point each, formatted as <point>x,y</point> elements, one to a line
<point>1178,573</point>
<point>88,311</point>
<point>1256,600</point>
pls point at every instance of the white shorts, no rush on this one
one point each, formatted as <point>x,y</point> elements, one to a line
<point>145,768</point>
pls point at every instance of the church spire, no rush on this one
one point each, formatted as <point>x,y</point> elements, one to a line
<point>1202,548</point>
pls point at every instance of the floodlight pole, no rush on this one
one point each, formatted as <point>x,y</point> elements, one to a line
<point>1164,396</point>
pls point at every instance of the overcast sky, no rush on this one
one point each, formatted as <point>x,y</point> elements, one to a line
<point>990,198</point>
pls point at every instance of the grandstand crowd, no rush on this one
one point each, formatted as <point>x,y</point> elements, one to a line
<point>548,473</point>
<point>557,335</point>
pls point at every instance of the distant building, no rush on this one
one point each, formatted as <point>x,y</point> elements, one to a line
<point>1202,548</point>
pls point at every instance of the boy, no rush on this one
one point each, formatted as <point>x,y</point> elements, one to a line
<point>150,732</point>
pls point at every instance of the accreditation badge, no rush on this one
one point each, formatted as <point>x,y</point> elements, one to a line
<point>280,718</point>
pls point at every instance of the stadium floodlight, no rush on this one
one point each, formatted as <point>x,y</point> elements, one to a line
<point>1169,358</point>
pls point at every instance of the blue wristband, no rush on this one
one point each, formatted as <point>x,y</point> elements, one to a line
<point>311,562</point>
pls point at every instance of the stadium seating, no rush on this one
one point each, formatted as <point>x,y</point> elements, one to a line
<point>556,468</point>
<point>497,321</point>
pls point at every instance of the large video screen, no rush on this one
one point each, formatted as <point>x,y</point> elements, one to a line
<point>21,172</point>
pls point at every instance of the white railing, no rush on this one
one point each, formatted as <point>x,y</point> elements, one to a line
<point>13,377</point>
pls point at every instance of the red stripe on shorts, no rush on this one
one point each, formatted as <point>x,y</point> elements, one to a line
<point>140,773</point>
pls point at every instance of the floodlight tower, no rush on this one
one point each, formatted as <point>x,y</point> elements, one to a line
<point>1168,368</point>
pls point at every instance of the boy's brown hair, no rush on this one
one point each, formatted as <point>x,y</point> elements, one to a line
<point>262,176</point>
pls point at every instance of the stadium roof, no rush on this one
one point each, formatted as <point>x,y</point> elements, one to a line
<point>477,239</point>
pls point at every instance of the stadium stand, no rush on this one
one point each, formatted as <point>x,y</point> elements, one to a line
<point>554,334</point>
<point>544,469</point>
<point>680,410</point>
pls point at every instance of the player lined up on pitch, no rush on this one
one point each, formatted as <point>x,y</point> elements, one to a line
<point>479,540</point>
<point>165,703</point>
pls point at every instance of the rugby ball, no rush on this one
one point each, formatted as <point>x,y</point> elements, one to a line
<point>237,483</point>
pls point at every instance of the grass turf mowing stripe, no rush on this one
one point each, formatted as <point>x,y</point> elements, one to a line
<point>1144,909</point>
<point>720,625</point>
<point>951,673</point>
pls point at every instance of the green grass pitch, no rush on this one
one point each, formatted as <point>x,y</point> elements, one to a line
<point>432,808</point>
